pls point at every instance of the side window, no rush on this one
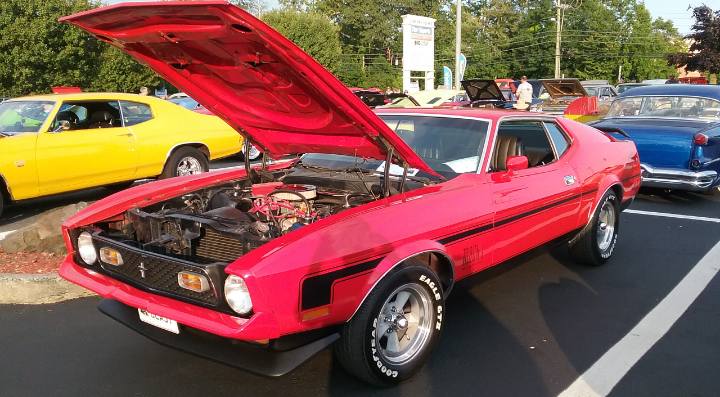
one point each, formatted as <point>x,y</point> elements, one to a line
<point>135,113</point>
<point>559,139</point>
<point>522,138</point>
<point>89,115</point>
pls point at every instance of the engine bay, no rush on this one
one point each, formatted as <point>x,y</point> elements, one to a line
<point>223,222</point>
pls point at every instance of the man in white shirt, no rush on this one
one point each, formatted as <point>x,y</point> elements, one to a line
<point>524,94</point>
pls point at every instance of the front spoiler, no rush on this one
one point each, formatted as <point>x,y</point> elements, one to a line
<point>256,359</point>
<point>678,179</point>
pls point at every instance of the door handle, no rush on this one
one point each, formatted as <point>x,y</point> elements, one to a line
<point>129,134</point>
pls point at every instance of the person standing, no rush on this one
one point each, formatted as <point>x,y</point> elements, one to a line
<point>524,94</point>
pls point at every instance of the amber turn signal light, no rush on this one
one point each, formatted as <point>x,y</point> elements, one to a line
<point>193,281</point>
<point>111,256</point>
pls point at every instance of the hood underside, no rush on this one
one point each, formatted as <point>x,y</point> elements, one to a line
<point>562,88</point>
<point>248,74</point>
<point>483,90</point>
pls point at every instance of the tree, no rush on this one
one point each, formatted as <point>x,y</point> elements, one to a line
<point>380,73</point>
<point>255,7</point>
<point>37,52</point>
<point>704,52</point>
<point>312,32</point>
<point>117,71</point>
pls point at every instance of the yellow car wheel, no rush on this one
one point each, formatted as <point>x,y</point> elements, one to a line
<point>185,161</point>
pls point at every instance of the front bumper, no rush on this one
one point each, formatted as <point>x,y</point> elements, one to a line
<point>260,326</point>
<point>253,358</point>
<point>678,179</point>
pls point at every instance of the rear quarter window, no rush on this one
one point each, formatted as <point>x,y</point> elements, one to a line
<point>559,140</point>
<point>135,113</point>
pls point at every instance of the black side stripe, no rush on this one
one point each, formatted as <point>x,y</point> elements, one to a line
<point>317,290</point>
<point>467,233</point>
<point>536,210</point>
<point>483,228</point>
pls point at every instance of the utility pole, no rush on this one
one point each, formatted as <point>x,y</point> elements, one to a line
<point>458,33</point>
<point>558,24</point>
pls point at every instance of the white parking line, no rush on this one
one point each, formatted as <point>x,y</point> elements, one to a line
<point>677,216</point>
<point>600,379</point>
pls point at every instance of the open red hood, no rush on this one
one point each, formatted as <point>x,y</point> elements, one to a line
<point>248,74</point>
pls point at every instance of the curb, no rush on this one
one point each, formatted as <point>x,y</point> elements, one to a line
<point>35,289</point>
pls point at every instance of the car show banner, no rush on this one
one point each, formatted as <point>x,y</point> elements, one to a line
<point>447,77</point>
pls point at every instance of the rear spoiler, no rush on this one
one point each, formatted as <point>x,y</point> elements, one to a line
<point>612,130</point>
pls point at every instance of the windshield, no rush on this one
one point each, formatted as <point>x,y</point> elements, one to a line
<point>592,91</point>
<point>23,116</point>
<point>624,87</point>
<point>666,106</point>
<point>449,146</point>
<point>186,102</point>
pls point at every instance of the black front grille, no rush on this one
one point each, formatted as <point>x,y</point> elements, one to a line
<point>159,273</point>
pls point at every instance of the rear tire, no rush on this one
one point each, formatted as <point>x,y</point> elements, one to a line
<point>595,243</point>
<point>395,329</point>
<point>255,154</point>
<point>2,202</point>
<point>185,161</point>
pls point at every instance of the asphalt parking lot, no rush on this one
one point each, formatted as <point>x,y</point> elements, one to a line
<point>530,327</point>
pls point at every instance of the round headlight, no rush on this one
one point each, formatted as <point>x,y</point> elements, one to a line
<point>237,295</point>
<point>86,248</point>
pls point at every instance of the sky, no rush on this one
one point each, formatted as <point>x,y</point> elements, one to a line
<point>674,10</point>
<point>677,11</point>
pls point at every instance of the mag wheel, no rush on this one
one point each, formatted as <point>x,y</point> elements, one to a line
<point>596,243</point>
<point>395,329</point>
<point>185,161</point>
<point>253,155</point>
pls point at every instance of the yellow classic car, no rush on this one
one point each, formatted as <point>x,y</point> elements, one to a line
<point>59,143</point>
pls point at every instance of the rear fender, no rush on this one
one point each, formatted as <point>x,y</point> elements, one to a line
<point>396,258</point>
<point>708,155</point>
<point>608,182</point>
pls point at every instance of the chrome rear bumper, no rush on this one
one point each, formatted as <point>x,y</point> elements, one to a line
<point>678,179</point>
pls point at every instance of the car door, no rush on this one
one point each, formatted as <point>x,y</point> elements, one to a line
<point>537,204</point>
<point>93,149</point>
<point>455,147</point>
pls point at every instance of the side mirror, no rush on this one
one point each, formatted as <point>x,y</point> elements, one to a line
<point>63,125</point>
<point>516,163</point>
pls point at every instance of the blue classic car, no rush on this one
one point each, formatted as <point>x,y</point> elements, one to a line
<point>677,132</point>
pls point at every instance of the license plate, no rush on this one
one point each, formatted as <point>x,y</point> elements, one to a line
<point>159,321</point>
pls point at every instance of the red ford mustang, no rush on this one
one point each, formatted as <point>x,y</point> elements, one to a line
<point>360,241</point>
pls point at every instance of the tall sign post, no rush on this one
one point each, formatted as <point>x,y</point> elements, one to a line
<point>458,42</point>
<point>418,51</point>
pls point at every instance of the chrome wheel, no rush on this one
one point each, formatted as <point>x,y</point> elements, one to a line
<point>189,166</point>
<point>404,324</point>
<point>254,153</point>
<point>606,225</point>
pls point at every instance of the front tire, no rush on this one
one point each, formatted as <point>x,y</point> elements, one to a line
<point>185,161</point>
<point>395,329</point>
<point>2,203</point>
<point>595,244</point>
